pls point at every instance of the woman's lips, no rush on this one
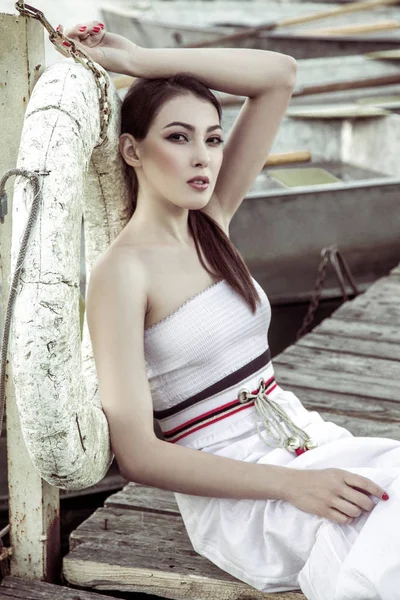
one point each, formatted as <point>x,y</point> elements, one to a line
<point>198,186</point>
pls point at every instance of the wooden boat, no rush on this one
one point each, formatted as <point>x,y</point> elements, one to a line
<point>352,202</point>
<point>184,23</point>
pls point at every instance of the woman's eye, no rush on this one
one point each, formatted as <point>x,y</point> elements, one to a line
<point>216,140</point>
<point>176,136</point>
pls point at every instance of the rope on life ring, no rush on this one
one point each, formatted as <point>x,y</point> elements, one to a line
<point>64,427</point>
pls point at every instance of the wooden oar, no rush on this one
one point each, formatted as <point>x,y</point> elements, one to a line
<point>337,86</point>
<point>322,88</point>
<point>288,157</point>
<point>289,21</point>
<point>348,29</point>
<point>384,54</point>
<point>125,81</point>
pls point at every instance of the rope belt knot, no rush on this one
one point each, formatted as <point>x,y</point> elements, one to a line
<point>277,422</point>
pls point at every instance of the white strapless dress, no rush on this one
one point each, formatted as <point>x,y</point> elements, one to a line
<point>198,358</point>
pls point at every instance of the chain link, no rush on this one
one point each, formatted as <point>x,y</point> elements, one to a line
<point>79,55</point>
<point>333,255</point>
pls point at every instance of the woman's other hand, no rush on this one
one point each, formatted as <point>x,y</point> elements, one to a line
<point>335,494</point>
<point>113,52</point>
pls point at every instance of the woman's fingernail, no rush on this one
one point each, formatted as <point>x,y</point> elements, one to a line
<point>66,44</point>
<point>58,27</point>
<point>96,29</point>
<point>385,496</point>
<point>82,28</point>
<point>101,25</point>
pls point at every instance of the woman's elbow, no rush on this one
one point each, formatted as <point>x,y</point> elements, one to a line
<point>138,468</point>
<point>288,71</point>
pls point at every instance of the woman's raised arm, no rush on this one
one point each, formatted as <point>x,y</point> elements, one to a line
<point>240,71</point>
<point>266,78</point>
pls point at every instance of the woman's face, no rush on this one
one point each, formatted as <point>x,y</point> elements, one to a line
<point>183,142</point>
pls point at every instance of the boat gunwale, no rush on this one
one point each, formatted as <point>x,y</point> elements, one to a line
<point>339,186</point>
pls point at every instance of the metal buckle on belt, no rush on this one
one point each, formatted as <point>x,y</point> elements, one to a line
<point>277,422</point>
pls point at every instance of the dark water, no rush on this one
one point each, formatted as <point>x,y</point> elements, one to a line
<point>287,319</point>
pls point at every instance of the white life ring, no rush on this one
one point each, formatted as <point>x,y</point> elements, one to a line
<point>63,425</point>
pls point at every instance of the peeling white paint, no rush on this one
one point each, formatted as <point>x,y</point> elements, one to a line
<point>64,427</point>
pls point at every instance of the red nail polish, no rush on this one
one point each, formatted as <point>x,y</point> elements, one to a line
<point>101,25</point>
<point>82,28</point>
<point>58,27</point>
<point>299,451</point>
<point>96,29</point>
<point>66,44</point>
<point>385,496</point>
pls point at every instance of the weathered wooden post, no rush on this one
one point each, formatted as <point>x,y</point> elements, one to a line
<point>33,503</point>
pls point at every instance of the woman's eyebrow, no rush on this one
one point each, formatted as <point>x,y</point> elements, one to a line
<point>191,127</point>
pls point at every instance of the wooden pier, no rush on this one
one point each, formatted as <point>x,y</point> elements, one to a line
<point>347,368</point>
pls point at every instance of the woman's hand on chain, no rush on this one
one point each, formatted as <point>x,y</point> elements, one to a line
<point>113,52</point>
<point>335,494</point>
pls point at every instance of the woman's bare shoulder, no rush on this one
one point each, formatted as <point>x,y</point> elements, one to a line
<point>123,267</point>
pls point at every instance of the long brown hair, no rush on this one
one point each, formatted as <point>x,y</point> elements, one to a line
<point>141,104</point>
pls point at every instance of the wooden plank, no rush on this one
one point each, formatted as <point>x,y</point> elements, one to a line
<point>384,54</point>
<point>388,102</point>
<point>344,85</point>
<point>114,564</point>
<point>336,111</point>
<point>355,28</point>
<point>385,286</point>
<point>16,587</point>
<point>374,312</point>
<point>144,498</point>
<point>323,360</point>
<point>282,158</point>
<point>334,344</point>
<point>289,21</point>
<point>152,539</point>
<point>344,383</point>
<point>360,330</point>
<point>351,405</point>
<point>364,427</point>
<point>396,271</point>
<point>379,304</point>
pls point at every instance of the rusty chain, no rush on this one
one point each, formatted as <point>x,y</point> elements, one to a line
<point>79,55</point>
<point>333,255</point>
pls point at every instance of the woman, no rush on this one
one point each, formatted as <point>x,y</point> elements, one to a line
<point>268,491</point>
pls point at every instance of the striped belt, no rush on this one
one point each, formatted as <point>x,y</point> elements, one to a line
<point>204,414</point>
<point>211,416</point>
